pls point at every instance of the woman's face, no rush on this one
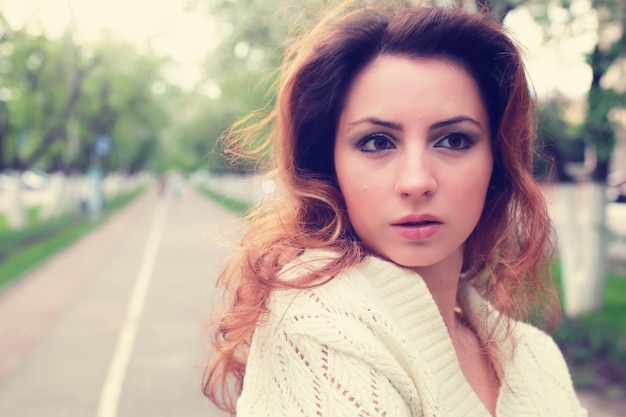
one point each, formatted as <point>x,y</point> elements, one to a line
<point>413,159</point>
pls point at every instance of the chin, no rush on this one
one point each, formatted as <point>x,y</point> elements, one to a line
<point>412,262</point>
<point>416,261</point>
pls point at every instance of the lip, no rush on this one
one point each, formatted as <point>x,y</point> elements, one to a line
<point>417,226</point>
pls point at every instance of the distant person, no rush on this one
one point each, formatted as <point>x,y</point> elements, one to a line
<point>176,186</point>
<point>162,186</point>
<point>409,243</point>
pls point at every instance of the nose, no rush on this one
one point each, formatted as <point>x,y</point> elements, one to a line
<point>416,175</point>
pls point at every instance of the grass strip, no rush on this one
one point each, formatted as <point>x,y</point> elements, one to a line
<point>594,343</point>
<point>62,233</point>
<point>14,240</point>
<point>32,218</point>
<point>35,254</point>
<point>231,204</point>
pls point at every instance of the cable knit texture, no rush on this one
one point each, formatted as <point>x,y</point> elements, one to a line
<point>371,342</point>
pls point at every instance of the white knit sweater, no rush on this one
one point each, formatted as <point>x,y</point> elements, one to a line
<point>371,342</point>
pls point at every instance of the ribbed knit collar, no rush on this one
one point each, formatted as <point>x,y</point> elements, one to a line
<point>409,302</point>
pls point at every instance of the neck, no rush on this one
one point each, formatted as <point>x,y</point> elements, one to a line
<point>442,281</point>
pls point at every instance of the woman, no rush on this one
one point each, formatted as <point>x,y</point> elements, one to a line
<point>410,244</point>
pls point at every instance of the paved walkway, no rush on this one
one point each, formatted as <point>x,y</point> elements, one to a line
<point>111,327</point>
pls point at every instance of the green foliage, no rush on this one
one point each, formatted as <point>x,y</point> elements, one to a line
<point>36,253</point>
<point>255,34</point>
<point>124,106</point>
<point>594,344</point>
<point>564,19</point>
<point>12,240</point>
<point>192,141</point>
<point>558,142</point>
<point>57,96</point>
<point>32,218</point>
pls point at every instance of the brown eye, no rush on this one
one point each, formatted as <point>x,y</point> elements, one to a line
<point>376,143</point>
<point>454,141</point>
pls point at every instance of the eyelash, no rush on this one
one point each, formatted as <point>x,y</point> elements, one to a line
<point>363,143</point>
<point>468,142</point>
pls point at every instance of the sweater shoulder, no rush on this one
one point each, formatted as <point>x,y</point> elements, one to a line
<point>346,297</point>
<point>539,362</point>
<point>541,346</point>
<point>333,338</point>
<point>345,313</point>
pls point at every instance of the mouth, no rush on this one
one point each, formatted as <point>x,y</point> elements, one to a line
<point>417,223</point>
<point>417,227</point>
<point>417,220</point>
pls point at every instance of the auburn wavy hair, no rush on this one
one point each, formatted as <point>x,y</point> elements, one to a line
<point>507,256</point>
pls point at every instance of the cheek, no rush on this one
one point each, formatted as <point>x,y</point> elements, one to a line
<point>359,195</point>
<point>356,195</point>
<point>352,180</point>
<point>472,187</point>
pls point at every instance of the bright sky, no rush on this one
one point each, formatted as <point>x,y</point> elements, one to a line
<point>187,37</point>
<point>557,66</point>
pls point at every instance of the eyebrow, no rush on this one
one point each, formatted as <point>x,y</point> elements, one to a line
<point>455,120</point>
<point>398,126</point>
<point>377,122</point>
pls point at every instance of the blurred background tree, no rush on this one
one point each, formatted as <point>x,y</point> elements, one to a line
<point>125,103</point>
<point>583,146</point>
<point>40,92</point>
<point>57,96</point>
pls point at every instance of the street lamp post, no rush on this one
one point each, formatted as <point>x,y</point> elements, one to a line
<point>101,148</point>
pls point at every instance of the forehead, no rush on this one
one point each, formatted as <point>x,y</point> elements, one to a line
<point>404,71</point>
<point>394,86</point>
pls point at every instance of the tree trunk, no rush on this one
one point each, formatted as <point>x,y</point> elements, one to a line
<point>15,210</point>
<point>57,196</point>
<point>4,131</point>
<point>58,130</point>
<point>579,216</point>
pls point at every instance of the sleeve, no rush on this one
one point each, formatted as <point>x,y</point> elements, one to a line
<point>292,374</point>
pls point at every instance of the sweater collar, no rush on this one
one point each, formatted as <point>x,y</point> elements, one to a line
<point>405,295</point>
